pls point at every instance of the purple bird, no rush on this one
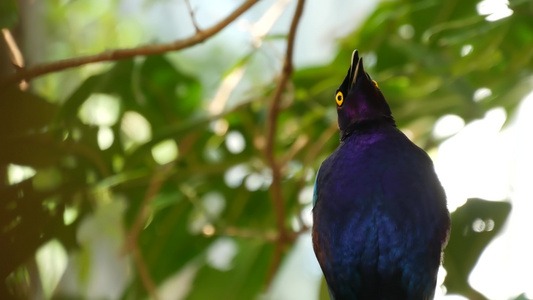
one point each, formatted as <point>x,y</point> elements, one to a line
<point>380,215</point>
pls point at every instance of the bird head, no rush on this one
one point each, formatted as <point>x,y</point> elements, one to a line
<point>359,100</point>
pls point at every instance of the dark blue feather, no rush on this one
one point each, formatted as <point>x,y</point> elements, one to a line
<point>314,189</point>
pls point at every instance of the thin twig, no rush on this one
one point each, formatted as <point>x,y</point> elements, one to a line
<point>132,245</point>
<point>296,147</point>
<point>157,180</point>
<point>247,233</point>
<point>193,19</point>
<point>275,191</point>
<point>117,54</point>
<point>144,274</point>
<point>311,154</point>
<point>315,150</point>
<point>16,56</point>
<point>87,152</point>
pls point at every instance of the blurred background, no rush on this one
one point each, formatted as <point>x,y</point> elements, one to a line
<point>146,178</point>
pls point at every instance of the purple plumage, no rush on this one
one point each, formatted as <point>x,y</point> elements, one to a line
<point>380,216</point>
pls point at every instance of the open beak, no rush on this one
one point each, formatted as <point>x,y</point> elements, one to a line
<point>356,68</point>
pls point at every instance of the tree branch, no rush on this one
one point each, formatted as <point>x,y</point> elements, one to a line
<point>132,245</point>
<point>275,191</point>
<point>247,233</point>
<point>144,274</point>
<point>193,19</point>
<point>111,55</point>
<point>15,55</point>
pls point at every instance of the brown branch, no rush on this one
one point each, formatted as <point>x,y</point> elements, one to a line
<point>247,233</point>
<point>321,142</point>
<point>296,147</point>
<point>15,55</point>
<point>276,195</point>
<point>88,153</point>
<point>314,151</point>
<point>157,180</point>
<point>191,12</point>
<point>131,245</point>
<point>142,269</point>
<point>311,154</point>
<point>117,54</point>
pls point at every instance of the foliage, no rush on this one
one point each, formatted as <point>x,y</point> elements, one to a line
<point>8,13</point>
<point>474,225</point>
<point>429,58</point>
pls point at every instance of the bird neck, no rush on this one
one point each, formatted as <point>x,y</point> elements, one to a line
<point>367,126</point>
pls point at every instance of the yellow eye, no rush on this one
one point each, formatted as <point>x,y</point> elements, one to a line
<point>375,83</point>
<point>339,98</point>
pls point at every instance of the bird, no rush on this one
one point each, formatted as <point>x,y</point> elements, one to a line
<point>380,217</point>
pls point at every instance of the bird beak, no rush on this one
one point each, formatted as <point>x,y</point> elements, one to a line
<point>354,62</point>
<point>357,71</point>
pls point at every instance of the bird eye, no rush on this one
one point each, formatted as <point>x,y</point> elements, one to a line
<point>339,98</point>
<point>375,83</point>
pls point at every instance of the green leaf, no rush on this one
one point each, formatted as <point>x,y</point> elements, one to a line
<point>521,297</point>
<point>30,217</point>
<point>8,13</point>
<point>170,95</point>
<point>244,280</point>
<point>25,126</point>
<point>474,225</point>
<point>166,243</point>
<point>23,113</point>
<point>116,81</point>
